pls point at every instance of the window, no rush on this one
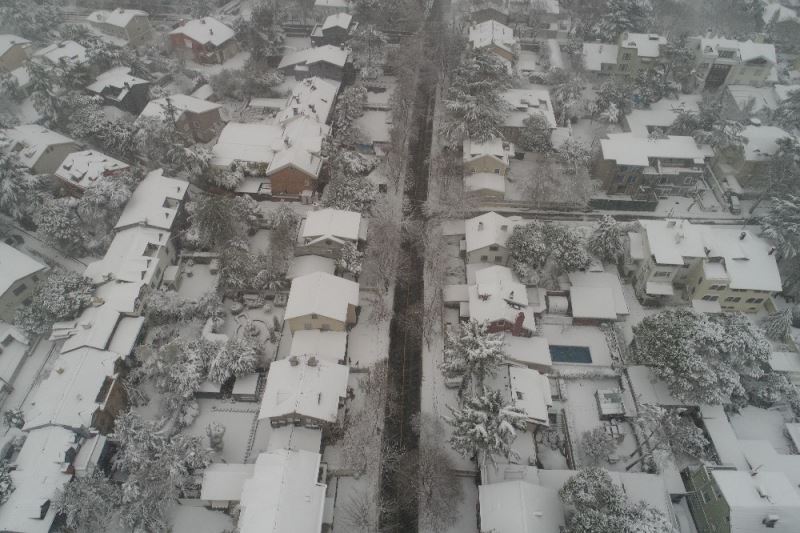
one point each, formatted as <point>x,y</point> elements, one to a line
<point>494,248</point>
<point>504,227</point>
<point>717,288</point>
<point>519,395</point>
<point>660,274</point>
<point>497,171</point>
<point>498,259</point>
<point>733,299</point>
<point>314,316</point>
<point>754,300</point>
<point>19,289</point>
<point>710,298</point>
<point>626,56</point>
<point>484,258</point>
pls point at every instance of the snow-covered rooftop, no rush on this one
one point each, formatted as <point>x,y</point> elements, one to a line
<point>283,495</point>
<point>527,389</point>
<point>722,436</point>
<point>529,351</point>
<point>661,114</point>
<point>491,32</point>
<point>485,181</point>
<point>595,54</point>
<point>14,266</point>
<point>68,51</point>
<point>322,294</point>
<point>224,481</point>
<point>7,41</point>
<point>762,141</point>
<point>337,20</point>
<point>182,103</point>
<point>646,44</point>
<point>30,141</point>
<point>774,12</point>
<point>593,303</point>
<point>118,17</point>
<point>132,256</point>
<point>94,328</point>
<point>646,387</point>
<point>496,295</point>
<point>304,386</point>
<point>375,125</point>
<point>743,492</point>
<point>329,346</point>
<point>320,54</point>
<point>298,158</point>
<point>762,455</point>
<point>606,280</point>
<point>488,229</point>
<point>251,143</point>
<point>308,264</point>
<point>332,222</point>
<point>306,133</point>
<point>521,507</point>
<point>311,97</point>
<point>85,168</point>
<point>526,102</point>
<point>206,30</point>
<point>118,79</point>
<point>494,147</point>
<point>632,150</point>
<point>747,50</point>
<point>759,98</point>
<point>154,203</point>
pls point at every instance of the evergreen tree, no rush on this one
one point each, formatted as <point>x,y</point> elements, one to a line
<point>6,482</point>
<point>88,503</point>
<point>16,186</point>
<point>237,358</point>
<point>350,259</point>
<point>668,430</point>
<point>473,354</point>
<point>58,223</point>
<point>788,112</point>
<point>369,46</point>
<point>535,134</point>
<point>61,296</point>
<point>622,16</point>
<point>597,444</point>
<point>607,241</point>
<point>350,193</point>
<point>776,326</point>
<point>216,221</point>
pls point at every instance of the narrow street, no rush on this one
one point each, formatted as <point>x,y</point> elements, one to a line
<point>405,350</point>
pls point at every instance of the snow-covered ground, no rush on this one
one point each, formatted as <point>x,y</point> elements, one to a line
<point>368,341</point>
<point>754,423</point>
<point>237,62</point>
<point>239,419</point>
<point>589,336</point>
<point>184,518</point>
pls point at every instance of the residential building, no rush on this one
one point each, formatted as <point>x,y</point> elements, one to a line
<point>136,255</point>
<point>293,172</point>
<point>671,166</point>
<point>155,203</point>
<point>322,301</point>
<point>524,103</point>
<point>325,8</point>
<point>485,187</point>
<point>285,495</point>
<point>68,52</point>
<point>327,61</point>
<point>300,265</point>
<point>723,500</point>
<point>723,264</point>
<point>326,231</point>
<point>632,53</point>
<point>492,156</point>
<point>741,102</point>
<point>19,275</point>
<point>119,89</point>
<point>498,299</point>
<point>520,507</point>
<point>526,389</point>
<point>497,38</point>
<point>304,391</point>
<point>14,52</point>
<point>336,30</point>
<point>749,167</point>
<point>199,118</point>
<point>722,62</point>
<point>130,25</point>
<point>660,115</point>
<point>312,98</point>
<point>485,238</point>
<point>39,149</point>
<point>375,127</point>
<point>223,483</point>
<point>205,40</point>
<point>596,297</point>
<point>488,11</point>
<point>251,145</point>
<point>81,170</point>
<point>14,346</point>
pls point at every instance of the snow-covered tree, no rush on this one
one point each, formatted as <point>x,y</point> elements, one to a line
<point>216,432</point>
<point>242,270</point>
<point>592,489</point>
<point>61,296</point>
<point>725,135</point>
<point>782,225</point>
<point>88,503</point>
<point>567,248</point>
<point>261,35</point>
<point>670,430</point>
<point>597,444</point>
<point>777,325</point>
<point>368,45</point>
<point>349,107</point>
<point>473,353</point>
<point>15,186</point>
<point>701,357</point>
<point>528,246</point>
<point>350,193</point>
<point>178,368</point>
<point>535,134</point>
<point>350,259</point>
<point>616,92</point>
<point>163,306</point>
<point>567,95</point>
<point>607,241</point>
<point>6,482</point>
<point>227,178</point>
<point>485,426</point>
<point>57,223</point>
<point>36,20</point>
<point>574,154</point>
<point>14,418</point>
<point>622,16</point>
<point>237,358</point>
<point>219,220</point>
<point>788,112</point>
<point>611,114</point>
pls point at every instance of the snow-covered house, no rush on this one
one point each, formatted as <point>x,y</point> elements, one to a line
<point>252,145</point>
<point>285,495</point>
<point>100,327</point>
<point>327,231</point>
<point>335,30</point>
<point>130,25</point>
<point>14,52</point>
<point>200,118</point>
<point>722,499</point>
<point>300,265</point>
<point>304,390</point>
<point>741,102</point>
<point>322,301</point>
<point>14,347</point>
<point>492,156</point>
<point>632,53</point>
<point>672,166</point>
<point>81,170</point>
<point>497,38</point>
<point>293,172</point>
<point>485,187</point>
<point>375,127</point>
<point>660,115</point>
<point>312,97</point>
<point>136,255</point>
<point>326,61</point>
<point>485,238</point>
<point>596,297</point>
<point>722,62</point>
<point>526,389</point>
<point>524,103</point>
<point>750,167</point>
<point>520,506</point>
<point>330,346</point>
<point>725,264</point>
<point>205,40</point>
<point>18,277</point>
<point>68,52</point>
<point>155,203</point>
<point>39,149</point>
<point>119,89</point>
<point>223,483</point>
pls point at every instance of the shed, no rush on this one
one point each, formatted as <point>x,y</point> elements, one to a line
<point>245,388</point>
<point>592,305</point>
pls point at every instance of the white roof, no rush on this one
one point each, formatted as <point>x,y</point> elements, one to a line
<point>785,362</point>
<point>330,346</point>
<point>283,496</point>
<point>94,328</point>
<point>761,97</point>
<point>124,339</point>
<point>298,158</point>
<point>68,395</point>
<point>14,266</point>
<point>40,471</point>
<point>526,102</point>
<point>646,44</point>
<point>306,133</point>
<point>783,91</point>
<point>774,12</point>
<point>322,294</point>
<point>528,389</point>
<point>748,50</point>
<point>528,350</point>
<point>119,295</point>
<point>117,78</point>
<point>332,222</point>
<point>609,280</point>
<point>762,455</point>
<point>295,386</point>
<point>308,56</point>
<point>182,103</point>
<point>147,204</point>
<point>762,141</point>
<point>85,168</point>
<point>630,149</point>
<point>593,302</point>
<point>661,114</point>
<point>30,141</point>
<point>311,97</point>
<point>595,54</point>
<point>494,147</point>
<point>206,30</point>
<point>332,3</point>
<point>743,491</point>
<point>491,32</point>
<point>488,229</point>
<point>118,17</point>
<point>7,41</point>
<point>251,143</point>
<point>224,481</point>
<point>497,296</point>
<point>68,51</point>
<point>485,181</point>
<point>308,264</point>
<point>339,20</point>
<point>672,240</point>
<point>520,507</point>
<point>722,436</point>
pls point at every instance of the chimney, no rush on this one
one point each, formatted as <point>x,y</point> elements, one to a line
<point>771,251</point>
<point>294,361</point>
<point>480,226</point>
<point>516,331</point>
<point>312,361</point>
<point>742,235</point>
<point>211,31</point>
<point>511,295</point>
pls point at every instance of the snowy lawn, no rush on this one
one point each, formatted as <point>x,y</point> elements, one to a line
<point>197,281</point>
<point>184,518</point>
<point>368,341</point>
<point>589,336</point>
<point>530,181</point>
<point>586,131</point>
<point>237,62</point>
<point>262,319</point>
<point>467,521</point>
<point>238,419</point>
<point>261,241</point>
<point>754,423</point>
<point>637,311</point>
<point>346,490</point>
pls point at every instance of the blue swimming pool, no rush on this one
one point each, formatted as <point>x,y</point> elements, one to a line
<point>570,354</point>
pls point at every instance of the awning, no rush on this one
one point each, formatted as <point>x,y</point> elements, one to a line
<point>659,288</point>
